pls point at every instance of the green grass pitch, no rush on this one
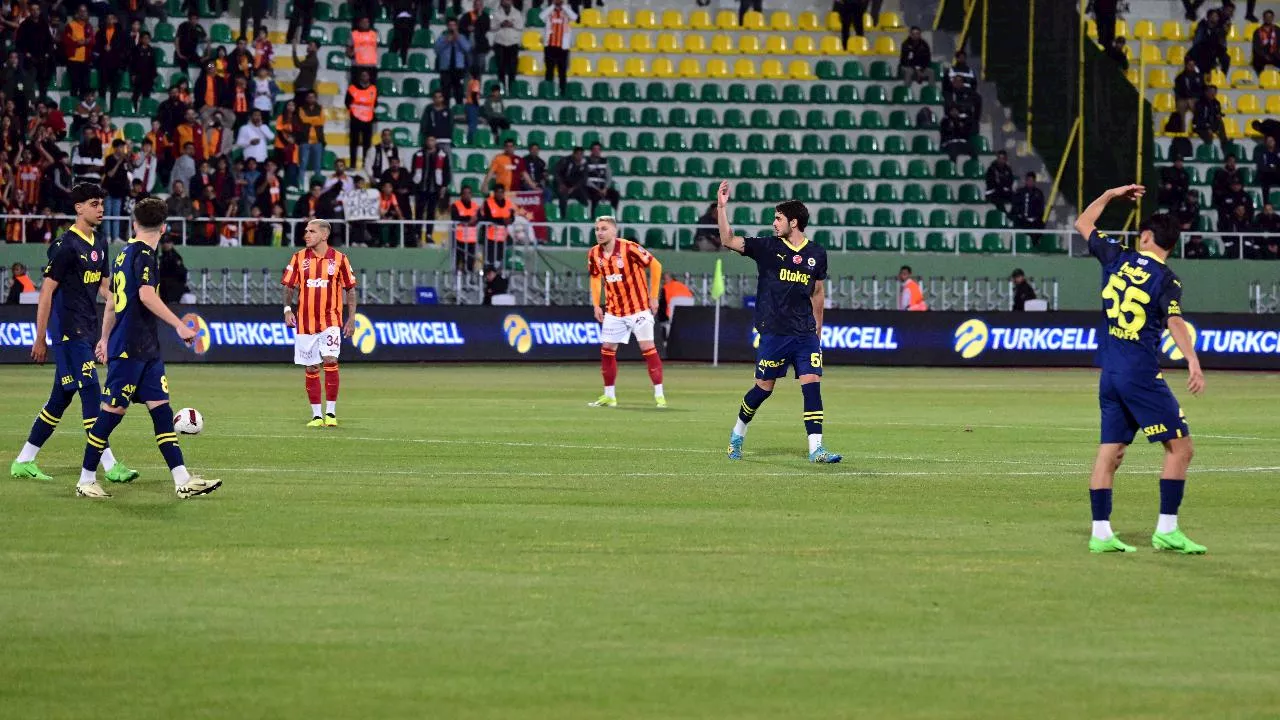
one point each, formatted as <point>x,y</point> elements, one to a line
<point>474,542</point>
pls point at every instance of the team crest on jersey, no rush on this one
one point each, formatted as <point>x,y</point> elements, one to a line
<point>796,259</point>
<point>618,262</point>
<point>812,262</point>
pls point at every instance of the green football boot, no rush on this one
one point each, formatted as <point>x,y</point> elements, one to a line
<point>604,401</point>
<point>1177,542</point>
<point>121,474</point>
<point>27,470</point>
<point>316,422</point>
<point>661,401</point>
<point>1110,545</point>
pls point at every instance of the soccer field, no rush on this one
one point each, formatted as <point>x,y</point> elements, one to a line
<point>474,542</point>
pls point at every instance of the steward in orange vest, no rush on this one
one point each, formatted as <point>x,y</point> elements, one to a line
<point>499,213</point>
<point>465,213</point>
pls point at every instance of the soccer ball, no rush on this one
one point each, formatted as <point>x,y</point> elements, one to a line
<point>188,421</point>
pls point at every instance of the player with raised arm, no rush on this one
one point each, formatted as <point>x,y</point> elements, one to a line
<point>1141,296</point>
<point>68,312</point>
<point>630,276</point>
<point>790,297</point>
<point>321,276</point>
<point>130,345</point>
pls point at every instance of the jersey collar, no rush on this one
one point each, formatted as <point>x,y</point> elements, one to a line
<point>87,238</point>
<point>796,248</point>
<point>327,256</point>
<point>1153,256</point>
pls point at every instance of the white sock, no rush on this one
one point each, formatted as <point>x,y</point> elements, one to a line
<point>88,477</point>
<point>608,392</point>
<point>331,406</point>
<point>180,475</point>
<point>108,459</point>
<point>28,453</point>
<point>740,428</point>
<point>815,440</point>
<point>1102,529</point>
<point>1166,523</point>
<point>657,390</point>
<point>315,409</point>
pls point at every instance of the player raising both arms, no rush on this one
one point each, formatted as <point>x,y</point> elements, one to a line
<point>130,346</point>
<point>789,304</point>
<point>631,302</point>
<point>321,275</point>
<point>1141,297</point>
<point>77,271</point>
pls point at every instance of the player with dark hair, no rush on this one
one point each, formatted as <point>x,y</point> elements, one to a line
<point>789,304</point>
<point>68,312</point>
<point>1141,297</point>
<point>130,346</point>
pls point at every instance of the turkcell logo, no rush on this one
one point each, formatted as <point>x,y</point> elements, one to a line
<point>251,333</point>
<point>17,334</point>
<point>1239,342</point>
<point>522,335</point>
<point>974,337</point>
<point>855,337</point>
<point>370,334</point>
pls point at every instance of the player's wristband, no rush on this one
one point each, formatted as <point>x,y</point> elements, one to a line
<point>288,309</point>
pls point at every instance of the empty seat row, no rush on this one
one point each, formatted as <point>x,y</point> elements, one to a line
<point>706,118</point>
<point>779,20</point>
<point>677,43</point>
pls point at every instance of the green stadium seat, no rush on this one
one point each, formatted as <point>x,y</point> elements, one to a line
<point>884,241</point>
<point>683,93</point>
<point>911,242</point>
<point>629,92</point>
<point>730,142</point>
<point>221,34</point>
<point>337,60</point>
<point>542,115</point>
<point>707,118</point>
<point>802,192</point>
<point>743,216</point>
<point>875,95</point>
<point>923,145</point>
<point>734,118</point>
<point>573,91</point>
<point>520,90</point>
<point>387,87</point>
<point>856,217</point>
<point>970,195</point>
<point>711,93</point>
<point>647,142</point>
<point>839,144</point>
<point>739,94</point>
<point>539,138</point>
<point>632,214</point>
<point>853,240</point>
<point>918,169</point>
<point>902,96</point>
<point>871,120</point>
<point>695,167</point>
<point>844,120</point>
<point>886,193</point>
<point>569,115</point>
<point>656,92</point>
<point>533,18</point>
<point>660,214</point>
<point>981,144</point>
<point>656,238</point>
<point>810,143</point>
<point>867,145</point>
<point>674,142</point>
<point>779,168</point>
<point>679,117</point>
<point>751,169</point>
<point>826,239</point>
<point>900,120</point>
<point>848,95</point>
<point>973,170</point>
<point>858,193</point>
<point>165,33</point>
<point>652,117</point>
<point>862,170</point>
<point>852,70</point>
<point>790,119</point>
<point>413,88</point>
<point>602,92</point>
<point>597,117</point>
<point>930,95</point>
<point>826,70</point>
<point>766,93</point>
<point>968,219</point>
<point>895,145</point>
<point>640,166</point>
<point>391,62</point>
<point>422,38</point>
<point>408,112</point>
<point>786,143</point>
<point>807,169</point>
<point>880,70</point>
<point>1026,244</point>
<point>323,13</point>
<point>914,194</point>
<point>418,64</point>
<point>939,218</point>
<point>761,119</point>
<point>940,194</point>
<point>829,193</point>
<point>757,143</point>
<point>636,190</point>
<point>702,143</point>
<point>624,117</point>
<point>774,192</point>
<point>944,169</point>
<point>937,242</point>
<point>996,219</point>
<point>667,167</point>
<point>834,169</point>
<point>969,243</point>
<point>793,94</point>
<point>564,140</point>
<point>664,191</point>
<point>766,215</point>
<point>828,217</point>
<point>1208,152</point>
<point>994,243</point>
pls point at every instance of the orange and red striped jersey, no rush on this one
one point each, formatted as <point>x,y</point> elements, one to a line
<point>626,276</point>
<point>557,28</point>
<point>321,281</point>
<point>29,184</point>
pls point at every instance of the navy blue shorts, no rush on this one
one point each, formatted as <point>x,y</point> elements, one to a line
<point>1130,404</point>
<point>135,381</point>
<point>778,352</point>
<point>74,365</point>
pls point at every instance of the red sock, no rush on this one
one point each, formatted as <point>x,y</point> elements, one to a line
<point>313,387</point>
<point>655,365</point>
<point>331,383</point>
<point>609,366</point>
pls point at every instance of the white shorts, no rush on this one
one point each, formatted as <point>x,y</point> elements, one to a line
<point>309,349</point>
<point>619,329</point>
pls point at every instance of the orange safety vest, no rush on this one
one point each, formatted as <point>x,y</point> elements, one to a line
<point>25,282</point>
<point>466,234</point>
<point>915,296</point>
<point>366,45</point>
<point>363,102</point>
<point>498,233</point>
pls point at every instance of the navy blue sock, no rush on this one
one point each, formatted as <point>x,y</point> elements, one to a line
<point>97,439</point>
<point>751,402</point>
<point>1101,502</point>
<point>90,406</point>
<point>166,438</point>
<point>1171,495</point>
<point>812,408</point>
<point>49,416</point>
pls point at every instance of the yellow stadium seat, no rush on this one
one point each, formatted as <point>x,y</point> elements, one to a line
<point>1145,30</point>
<point>1270,80</point>
<point>800,70</point>
<point>1233,34</point>
<point>830,45</point>
<point>745,68</point>
<point>1159,79</point>
<point>727,20</point>
<point>1249,131</point>
<point>591,18</point>
<point>1241,77</point>
<point>781,21</point>
<point>776,45</point>
<point>663,68</point>
<point>700,20</point>
<point>1164,103</point>
<point>1151,54</point>
<point>1238,58</point>
<point>614,43</point>
<point>669,43</point>
<point>859,45</point>
<point>608,67</point>
<point>640,43</point>
<point>690,68</point>
<point>672,20</point>
<point>1122,29</point>
<point>618,19</point>
<point>808,22</point>
<point>1248,105</point>
<point>277,37</point>
<point>1233,128</point>
<point>1177,55</point>
<point>717,68</point>
<point>1217,78</point>
<point>772,70</point>
<point>647,20</point>
<point>723,45</point>
<point>636,68</point>
<point>695,44</point>
<point>1173,30</point>
<point>833,21</point>
<point>1132,74</point>
<point>586,42</point>
<point>1091,28</point>
<point>581,67</point>
<point>530,64</point>
<point>531,40</point>
<point>804,45</point>
<point>885,46</point>
<point>892,21</point>
<point>284,62</point>
<point>749,45</point>
<point>753,21</point>
<point>1228,107</point>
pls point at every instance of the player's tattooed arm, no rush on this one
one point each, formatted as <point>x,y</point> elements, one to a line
<point>1088,220</point>
<point>349,327</point>
<point>727,238</point>
<point>1182,337</point>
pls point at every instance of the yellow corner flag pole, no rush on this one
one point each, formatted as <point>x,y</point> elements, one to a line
<point>717,292</point>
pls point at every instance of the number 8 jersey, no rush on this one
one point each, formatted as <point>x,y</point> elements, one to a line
<point>134,336</point>
<point>1139,293</point>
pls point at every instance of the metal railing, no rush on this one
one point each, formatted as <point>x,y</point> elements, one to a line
<point>1264,298</point>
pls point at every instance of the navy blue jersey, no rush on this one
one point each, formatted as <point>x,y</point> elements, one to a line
<point>1139,294</point>
<point>134,335</point>
<point>78,265</point>
<point>787,278</point>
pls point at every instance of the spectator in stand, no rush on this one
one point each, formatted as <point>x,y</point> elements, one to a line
<point>955,137</point>
<point>744,6</point>
<point>363,50</point>
<point>465,214</point>
<point>850,12</point>
<point>382,154</point>
<point>706,236</point>
<point>191,131</point>
<point>571,180</point>
<point>1104,14</point>
<point>1208,118</point>
<point>1268,175</point>
<point>1000,182</point>
<point>432,174</point>
<point>263,51</point>
<point>600,180</point>
<point>308,66</point>
<point>112,57</point>
<point>915,60</point>
<point>498,213</point>
<point>508,22</point>
<point>388,209</point>
<point>184,168</point>
<point>958,69</point>
<point>241,102</point>
<point>211,90</point>
<point>171,112</point>
<point>1188,210</point>
<point>267,192</point>
<point>1266,43</point>
<point>1022,290</point>
<point>361,101</point>
<point>310,207</point>
<point>310,133</point>
<point>402,29</point>
<point>142,70</point>
<point>265,91</point>
<point>474,25</point>
<point>240,61</point>
<point>86,157</point>
<point>34,41</point>
<point>437,121</point>
<point>145,166</point>
<point>503,167</point>
<point>1027,211</point>
<point>255,9</point>
<point>1188,87</point>
<point>303,15</point>
<point>532,173</point>
<point>1268,222</point>
<point>557,39</point>
<point>1195,249</point>
<point>187,42</point>
<point>1174,183</point>
<point>401,184</point>
<point>1117,54</point>
<point>255,137</point>
<point>1223,179</point>
<point>1209,48</point>
<point>77,46</point>
<point>494,284</point>
<point>968,102</point>
<point>1267,128</point>
<point>1235,198</point>
<point>21,283</point>
<point>55,187</point>
<point>171,270</point>
<point>1238,244</point>
<point>453,53</point>
<point>17,85</point>
<point>494,111</point>
<point>471,106</point>
<point>218,138</point>
<point>1191,7</point>
<point>910,295</point>
<point>115,182</point>
<point>1180,143</point>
